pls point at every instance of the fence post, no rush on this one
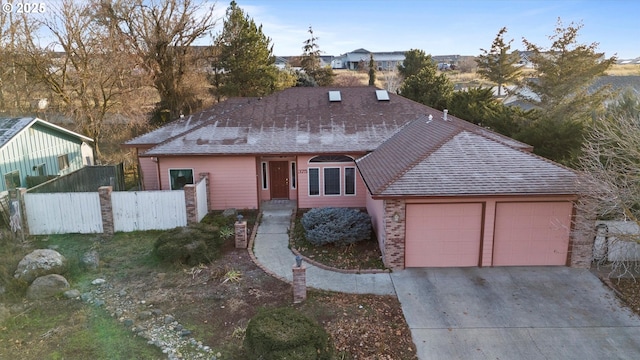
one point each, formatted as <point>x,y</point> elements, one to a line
<point>24,223</point>
<point>106,209</point>
<point>241,233</point>
<point>205,175</point>
<point>191,201</point>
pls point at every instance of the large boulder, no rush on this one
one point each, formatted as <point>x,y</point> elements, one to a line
<point>47,286</point>
<point>38,263</point>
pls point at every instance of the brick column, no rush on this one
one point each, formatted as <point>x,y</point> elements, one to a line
<point>299,284</point>
<point>106,209</point>
<point>191,201</point>
<point>241,234</point>
<point>581,241</point>
<point>394,227</point>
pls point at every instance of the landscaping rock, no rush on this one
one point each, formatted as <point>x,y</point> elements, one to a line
<point>72,294</point>
<point>229,212</point>
<point>98,281</point>
<point>47,286</point>
<point>91,259</point>
<point>39,263</point>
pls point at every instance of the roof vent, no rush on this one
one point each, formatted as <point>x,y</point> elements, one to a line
<point>382,95</point>
<point>334,96</point>
<point>444,114</point>
<point>430,118</point>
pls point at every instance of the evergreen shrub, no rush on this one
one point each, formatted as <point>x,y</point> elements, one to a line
<point>189,245</point>
<point>286,334</point>
<point>340,226</point>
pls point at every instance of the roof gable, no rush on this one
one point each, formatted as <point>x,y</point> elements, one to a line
<point>10,127</point>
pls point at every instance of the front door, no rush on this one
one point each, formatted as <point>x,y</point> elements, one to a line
<point>279,176</point>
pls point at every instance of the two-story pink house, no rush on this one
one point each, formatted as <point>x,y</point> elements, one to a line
<point>441,191</point>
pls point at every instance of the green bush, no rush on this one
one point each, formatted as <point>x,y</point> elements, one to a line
<point>191,245</point>
<point>284,333</point>
<point>340,226</point>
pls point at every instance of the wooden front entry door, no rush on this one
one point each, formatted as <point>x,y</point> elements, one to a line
<point>279,176</point>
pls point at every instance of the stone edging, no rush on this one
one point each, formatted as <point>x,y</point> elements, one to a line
<point>327,267</point>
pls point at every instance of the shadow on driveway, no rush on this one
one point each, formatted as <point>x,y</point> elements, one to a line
<point>515,313</point>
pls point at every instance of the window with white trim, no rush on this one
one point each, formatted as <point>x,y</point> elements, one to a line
<point>63,162</point>
<point>349,181</point>
<point>180,177</point>
<point>314,181</point>
<point>12,180</point>
<point>293,175</point>
<point>264,176</point>
<point>331,181</point>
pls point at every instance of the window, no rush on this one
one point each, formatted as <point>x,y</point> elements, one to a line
<point>264,176</point>
<point>314,181</point>
<point>330,158</point>
<point>293,175</point>
<point>12,180</point>
<point>63,162</point>
<point>180,177</point>
<point>40,169</point>
<point>349,181</point>
<point>332,181</point>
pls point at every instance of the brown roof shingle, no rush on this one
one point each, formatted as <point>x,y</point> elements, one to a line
<point>443,158</point>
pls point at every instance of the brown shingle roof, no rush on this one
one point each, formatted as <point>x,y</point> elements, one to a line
<point>295,120</point>
<point>441,158</point>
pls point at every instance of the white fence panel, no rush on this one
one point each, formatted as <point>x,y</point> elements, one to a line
<point>201,193</point>
<point>62,213</point>
<point>614,240</point>
<point>148,210</point>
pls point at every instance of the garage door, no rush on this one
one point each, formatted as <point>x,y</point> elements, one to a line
<point>535,233</point>
<point>443,235</point>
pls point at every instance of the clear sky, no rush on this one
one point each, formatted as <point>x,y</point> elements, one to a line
<point>441,27</point>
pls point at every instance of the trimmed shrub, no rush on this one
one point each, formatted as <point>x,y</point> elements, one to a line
<point>340,226</point>
<point>285,333</point>
<point>190,245</point>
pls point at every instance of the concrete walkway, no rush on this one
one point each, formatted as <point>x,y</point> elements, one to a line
<point>271,249</point>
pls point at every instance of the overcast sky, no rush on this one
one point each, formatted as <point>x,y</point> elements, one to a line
<point>441,27</point>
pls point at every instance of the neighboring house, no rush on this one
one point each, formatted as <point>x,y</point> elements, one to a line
<point>441,191</point>
<point>34,147</point>
<point>384,60</point>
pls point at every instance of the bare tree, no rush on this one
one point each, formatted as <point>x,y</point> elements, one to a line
<point>161,34</point>
<point>84,68</point>
<point>610,171</point>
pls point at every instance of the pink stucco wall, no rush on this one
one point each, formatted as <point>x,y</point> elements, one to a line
<point>308,201</point>
<point>232,179</point>
<point>149,173</point>
<point>375,209</point>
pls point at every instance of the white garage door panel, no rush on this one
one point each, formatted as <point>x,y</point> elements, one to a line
<point>532,233</point>
<point>443,235</point>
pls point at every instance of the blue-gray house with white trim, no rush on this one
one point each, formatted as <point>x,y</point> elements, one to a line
<point>34,147</point>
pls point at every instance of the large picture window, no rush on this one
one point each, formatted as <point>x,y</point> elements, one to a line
<point>180,177</point>
<point>314,181</point>
<point>332,181</point>
<point>349,181</point>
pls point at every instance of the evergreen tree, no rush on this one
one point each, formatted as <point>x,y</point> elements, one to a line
<point>564,73</point>
<point>311,63</point>
<point>498,64</point>
<point>372,71</point>
<point>414,61</point>
<point>428,87</point>
<point>476,105</point>
<point>245,65</point>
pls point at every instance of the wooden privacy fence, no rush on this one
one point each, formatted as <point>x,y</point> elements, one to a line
<point>108,211</point>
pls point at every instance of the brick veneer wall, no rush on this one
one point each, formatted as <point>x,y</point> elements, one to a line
<point>394,245</point>
<point>581,241</point>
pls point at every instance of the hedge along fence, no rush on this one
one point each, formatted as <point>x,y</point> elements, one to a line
<point>106,211</point>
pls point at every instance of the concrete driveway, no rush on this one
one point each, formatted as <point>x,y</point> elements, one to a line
<point>515,313</point>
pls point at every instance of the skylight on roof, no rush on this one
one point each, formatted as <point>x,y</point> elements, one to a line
<point>334,96</point>
<point>382,95</point>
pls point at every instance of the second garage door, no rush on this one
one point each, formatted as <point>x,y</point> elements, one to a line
<point>531,233</point>
<point>443,235</point>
